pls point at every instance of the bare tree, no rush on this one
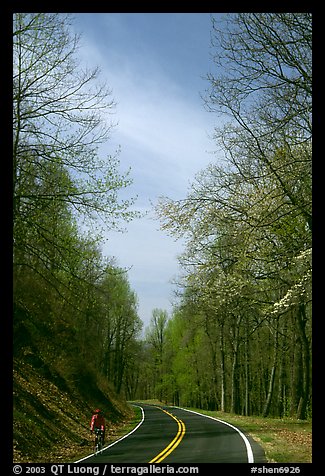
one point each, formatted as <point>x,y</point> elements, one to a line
<point>247,219</point>
<point>156,337</point>
<point>60,117</point>
<point>264,71</point>
<point>263,83</point>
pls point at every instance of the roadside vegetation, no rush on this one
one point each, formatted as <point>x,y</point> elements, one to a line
<point>239,341</point>
<point>52,417</point>
<point>240,337</point>
<point>75,318</point>
<point>284,440</point>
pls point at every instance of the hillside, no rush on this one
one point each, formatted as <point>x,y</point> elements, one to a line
<point>51,417</point>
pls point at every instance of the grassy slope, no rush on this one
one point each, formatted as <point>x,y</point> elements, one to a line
<point>284,440</point>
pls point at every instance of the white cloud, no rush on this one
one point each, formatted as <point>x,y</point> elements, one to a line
<point>163,132</point>
<point>163,139</point>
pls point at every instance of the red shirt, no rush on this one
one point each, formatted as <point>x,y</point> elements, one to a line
<point>97,421</point>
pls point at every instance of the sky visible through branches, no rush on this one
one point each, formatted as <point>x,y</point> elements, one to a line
<point>155,64</point>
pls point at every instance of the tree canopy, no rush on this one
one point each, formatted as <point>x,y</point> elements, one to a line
<point>73,308</point>
<point>247,220</point>
<point>239,337</point>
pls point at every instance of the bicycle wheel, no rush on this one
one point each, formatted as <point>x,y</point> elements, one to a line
<point>96,444</point>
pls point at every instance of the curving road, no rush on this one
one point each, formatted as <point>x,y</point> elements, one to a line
<point>174,435</point>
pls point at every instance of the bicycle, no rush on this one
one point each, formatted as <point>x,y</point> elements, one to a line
<point>99,440</point>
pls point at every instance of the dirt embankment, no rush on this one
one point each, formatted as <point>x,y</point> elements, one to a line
<point>51,417</point>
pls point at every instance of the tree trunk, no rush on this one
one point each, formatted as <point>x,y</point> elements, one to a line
<point>268,401</point>
<point>246,372</point>
<point>305,387</point>
<point>223,371</point>
<point>282,374</point>
<point>234,370</point>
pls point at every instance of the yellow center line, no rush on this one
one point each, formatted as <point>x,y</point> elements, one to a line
<point>174,443</point>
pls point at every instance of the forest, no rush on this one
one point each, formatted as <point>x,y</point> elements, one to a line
<point>239,339</point>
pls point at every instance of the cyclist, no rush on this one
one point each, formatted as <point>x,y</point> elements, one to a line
<point>98,421</point>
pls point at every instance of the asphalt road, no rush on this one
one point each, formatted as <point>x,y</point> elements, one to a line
<point>173,435</point>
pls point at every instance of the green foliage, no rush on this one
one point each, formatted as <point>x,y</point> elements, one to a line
<point>247,225</point>
<point>239,339</point>
<point>75,316</point>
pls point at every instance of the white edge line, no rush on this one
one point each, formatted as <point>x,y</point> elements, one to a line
<point>250,455</point>
<point>120,439</point>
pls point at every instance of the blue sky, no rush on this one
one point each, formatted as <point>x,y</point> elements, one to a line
<point>155,64</point>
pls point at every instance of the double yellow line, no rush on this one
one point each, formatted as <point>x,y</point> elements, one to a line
<point>174,443</point>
